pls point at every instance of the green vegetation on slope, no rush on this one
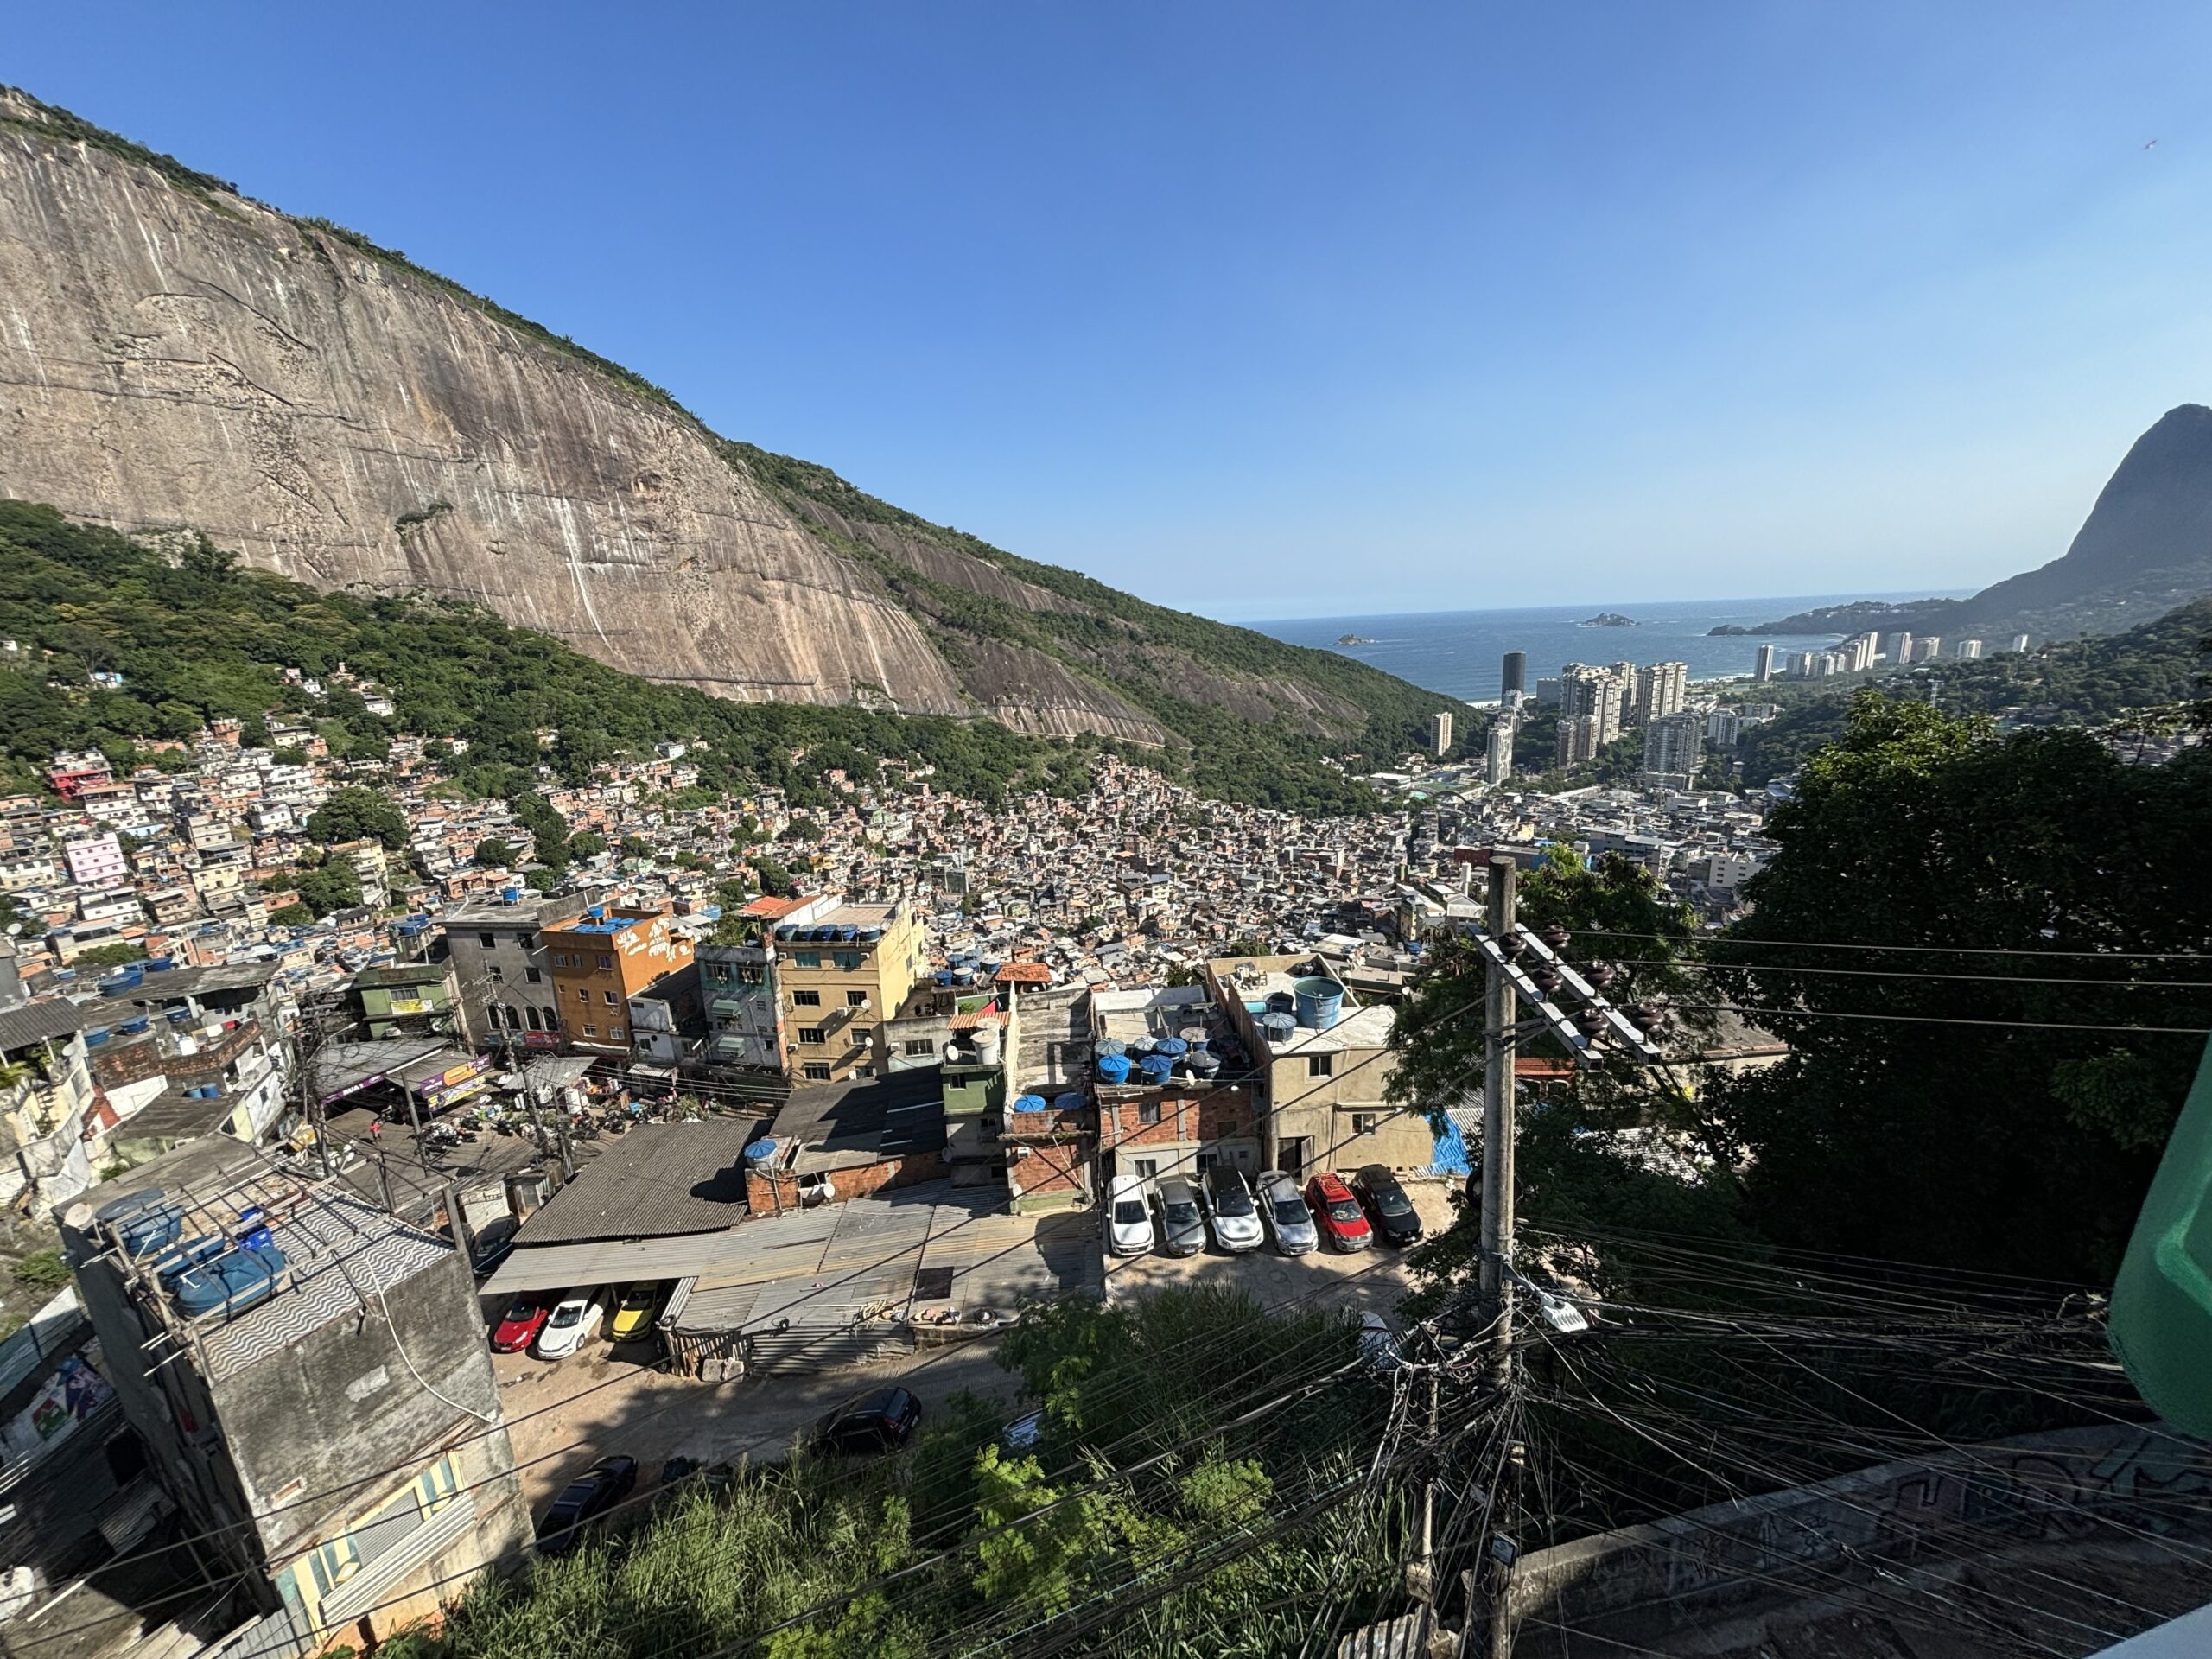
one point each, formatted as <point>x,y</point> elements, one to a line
<point>1149,654</point>
<point>203,638</point>
<point>2093,682</point>
<point>969,1540</point>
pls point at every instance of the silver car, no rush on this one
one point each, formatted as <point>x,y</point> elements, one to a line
<point>1287,1216</point>
<point>1229,1206</point>
<point>1182,1229</point>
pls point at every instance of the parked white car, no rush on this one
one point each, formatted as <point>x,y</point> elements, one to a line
<point>1128,1217</point>
<point>1293,1223</point>
<point>1229,1208</point>
<point>575,1322</point>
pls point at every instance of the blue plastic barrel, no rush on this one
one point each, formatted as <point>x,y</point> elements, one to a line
<point>1113,1068</point>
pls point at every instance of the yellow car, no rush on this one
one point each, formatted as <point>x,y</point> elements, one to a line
<point>634,1315</point>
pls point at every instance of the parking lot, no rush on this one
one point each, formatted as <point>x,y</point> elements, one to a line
<point>1374,1278</point>
<point>614,1397</point>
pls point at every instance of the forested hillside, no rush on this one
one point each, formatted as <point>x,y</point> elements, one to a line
<point>2093,682</point>
<point>196,636</point>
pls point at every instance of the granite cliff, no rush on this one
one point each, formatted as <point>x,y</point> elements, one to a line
<point>174,352</point>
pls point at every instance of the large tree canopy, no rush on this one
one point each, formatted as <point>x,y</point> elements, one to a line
<point>1943,1105</point>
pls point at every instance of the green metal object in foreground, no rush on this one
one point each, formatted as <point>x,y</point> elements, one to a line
<point>2162,1304</point>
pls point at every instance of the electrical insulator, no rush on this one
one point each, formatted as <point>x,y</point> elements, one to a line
<point>1556,936</point>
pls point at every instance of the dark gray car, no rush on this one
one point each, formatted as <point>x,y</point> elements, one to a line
<point>1288,1218</point>
<point>1182,1228</point>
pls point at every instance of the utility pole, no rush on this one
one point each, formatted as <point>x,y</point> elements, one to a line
<point>1499,1013</point>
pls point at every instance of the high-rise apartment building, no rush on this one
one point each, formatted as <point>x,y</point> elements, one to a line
<point>1661,688</point>
<point>1898,647</point>
<point>1762,668</point>
<point>1968,650</point>
<point>1861,650</point>
<point>1498,754</point>
<point>1579,739</point>
<point>1515,677</point>
<point>1672,748</point>
<point>1600,694</point>
<point>2019,642</point>
<point>1722,728</point>
<point>1440,732</point>
<point>1928,648</point>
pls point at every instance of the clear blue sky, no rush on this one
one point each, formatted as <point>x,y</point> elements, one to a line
<point>1271,310</point>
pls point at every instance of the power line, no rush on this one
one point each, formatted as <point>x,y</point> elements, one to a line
<point>1732,940</point>
<point>1935,1020</point>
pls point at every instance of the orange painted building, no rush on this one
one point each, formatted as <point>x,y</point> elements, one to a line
<point>600,961</point>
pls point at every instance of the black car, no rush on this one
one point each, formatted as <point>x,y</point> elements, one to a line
<point>586,1497</point>
<point>882,1422</point>
<point>1387,1205</point>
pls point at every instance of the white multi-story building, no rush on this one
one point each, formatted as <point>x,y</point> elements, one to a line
<point>97,861</point>
<point>1672,748</point>
<point>1498,754</point>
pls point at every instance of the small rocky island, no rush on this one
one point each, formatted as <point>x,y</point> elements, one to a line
<point>1354,640</point>
<point>1609,619</point>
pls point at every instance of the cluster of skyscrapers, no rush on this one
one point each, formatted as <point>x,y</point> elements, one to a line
<point>1862,651</point>
<point>1596,705</point>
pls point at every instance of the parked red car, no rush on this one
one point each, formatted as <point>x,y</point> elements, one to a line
<point>519,1325</point>
<point>1343,1222</point>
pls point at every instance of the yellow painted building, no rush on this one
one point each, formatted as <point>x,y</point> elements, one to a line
<point>839,978</point>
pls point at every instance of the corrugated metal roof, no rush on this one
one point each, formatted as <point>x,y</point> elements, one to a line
<point>626,1261</point>
<point>652,1181</point>
<point>36,1022</point>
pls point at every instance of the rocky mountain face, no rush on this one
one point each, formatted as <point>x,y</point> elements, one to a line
<point>2146,548</point>
<point>175,353</point>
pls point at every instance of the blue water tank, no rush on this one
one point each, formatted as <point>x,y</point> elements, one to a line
<point>159,964</point>
<point>944,977</point>
<point>180,1016</point>
<point>1173,1047</point>
<point>1029,1102</point>
<point>1157,1068</point>
<point>513,896</point>
<point>1320,1001</point>
<point>1073,1101</point>
<point>95,1038</point>
<point>871,935</point>
<point>1113,1068</point>
<point>761,1152</point>
<point>132,1027</point>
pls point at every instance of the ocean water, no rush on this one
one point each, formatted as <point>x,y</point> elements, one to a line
<point>1460,653</point>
